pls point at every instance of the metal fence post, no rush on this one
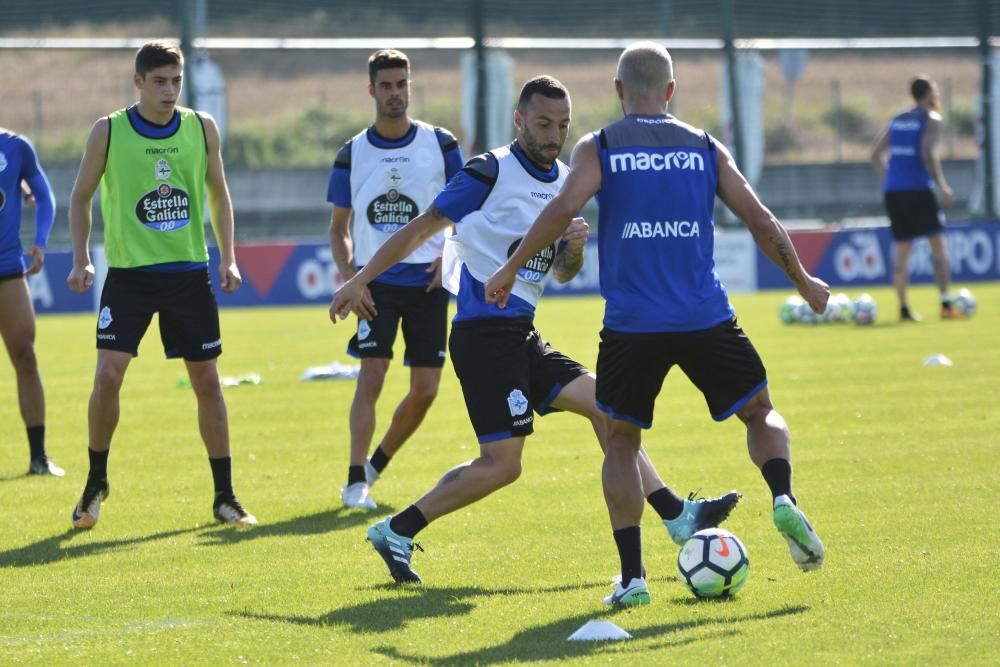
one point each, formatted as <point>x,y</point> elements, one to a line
<point>989,140</point>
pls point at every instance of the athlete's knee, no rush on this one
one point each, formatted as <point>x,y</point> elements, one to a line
<point>508,471</point>
<point>22,356</point>
<point>206,384</point>
<point>423,393</point>
<point>758,409</point>
<point>371,378</point>
<point>623,438</point>
<point>108,378</point>
<point>505,469</point>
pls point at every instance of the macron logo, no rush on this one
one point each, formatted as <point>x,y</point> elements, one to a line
<point>657,161</point>
<point>663,230</point>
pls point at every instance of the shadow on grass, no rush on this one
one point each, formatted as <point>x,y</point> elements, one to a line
<point>58,547</point>
<point>411,603</point>
<point>339,518</point>
<point>548,642</point>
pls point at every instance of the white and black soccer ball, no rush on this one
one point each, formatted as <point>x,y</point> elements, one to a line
<point>713,563</point>
<point>865,310</point>
<point>964,302</point>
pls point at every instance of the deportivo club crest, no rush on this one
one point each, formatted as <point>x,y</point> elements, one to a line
<point>163,170</point>
<point>394,178</point>
<point>517,402</point>
<point>104,319</point>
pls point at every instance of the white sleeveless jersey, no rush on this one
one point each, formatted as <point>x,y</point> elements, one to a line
<point>392,186</point>
<point>485,238</point>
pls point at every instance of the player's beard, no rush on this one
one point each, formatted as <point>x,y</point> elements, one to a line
<point>389,112</point>
<point>534,151</point>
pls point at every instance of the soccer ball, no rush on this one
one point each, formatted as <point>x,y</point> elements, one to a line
<point>713,563</point>
<point>839,308</point>
<point>865,310</point>
<point>806,314</point>
<point>789,311</point>
<point>964,302</point>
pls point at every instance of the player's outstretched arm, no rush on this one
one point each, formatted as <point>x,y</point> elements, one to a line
<point>769,234</point>
<point>583,182</point>
<point>220,207</point>
<point>353,296</point>
<point>95,155</point>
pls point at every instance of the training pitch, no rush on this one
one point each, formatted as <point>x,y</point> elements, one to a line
<point>895,465</point>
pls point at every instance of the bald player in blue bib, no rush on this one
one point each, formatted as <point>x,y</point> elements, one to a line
<point>19,165</point>
<point>656,179</point>
<point>906,159</point>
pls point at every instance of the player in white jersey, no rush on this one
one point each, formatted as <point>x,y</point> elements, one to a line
<point>386,175</point>
<point>506,369</point>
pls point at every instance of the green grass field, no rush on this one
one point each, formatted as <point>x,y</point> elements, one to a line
<point>894,462</point>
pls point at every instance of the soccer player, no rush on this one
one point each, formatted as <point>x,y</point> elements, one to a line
<point>19,166</point>
<point>155,163</point>
<point>908,177</point>
<point>506,369</point>
<point>656,179</point>
<point>387,174</point>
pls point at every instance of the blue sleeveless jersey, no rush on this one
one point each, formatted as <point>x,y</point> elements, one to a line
<point>906,169</point>
<point>655,227</point>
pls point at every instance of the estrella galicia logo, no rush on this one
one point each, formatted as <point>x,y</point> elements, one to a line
<point>391,211</point>
<point>535,269</point>
<point>363,329</point>
<point>104,319</point>
<point>517,403</point>
<point>165,209</point>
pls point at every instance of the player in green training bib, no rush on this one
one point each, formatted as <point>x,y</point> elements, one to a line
<point>155,162</point>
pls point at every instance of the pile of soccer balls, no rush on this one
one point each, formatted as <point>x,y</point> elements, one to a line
<point>839,309</point>
<point>862,310</point>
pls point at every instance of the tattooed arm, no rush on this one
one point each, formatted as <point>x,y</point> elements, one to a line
<point>569,259</point>
<point>769,234</point>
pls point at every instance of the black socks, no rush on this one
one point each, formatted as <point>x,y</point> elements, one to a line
<point>36,441</point>
<point>778,475</point>
<point>408,523</point>
<point>665,503</point>
<point>98,464</point>
<point>222,475</point>
<point>629,541</point>
<point>379,460</point>
<point>355,474</point>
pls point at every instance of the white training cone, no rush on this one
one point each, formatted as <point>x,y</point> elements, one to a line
<point>937,360</point>
<point>598,631</point>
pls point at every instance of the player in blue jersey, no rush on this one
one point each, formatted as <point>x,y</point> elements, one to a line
<point>19,166</point>
<point>386,175</point>
<point>507,371</point>
<point>656,180</point>
<point>909,176</point>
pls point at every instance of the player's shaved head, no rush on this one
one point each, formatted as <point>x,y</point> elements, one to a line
<point>645,69</point>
